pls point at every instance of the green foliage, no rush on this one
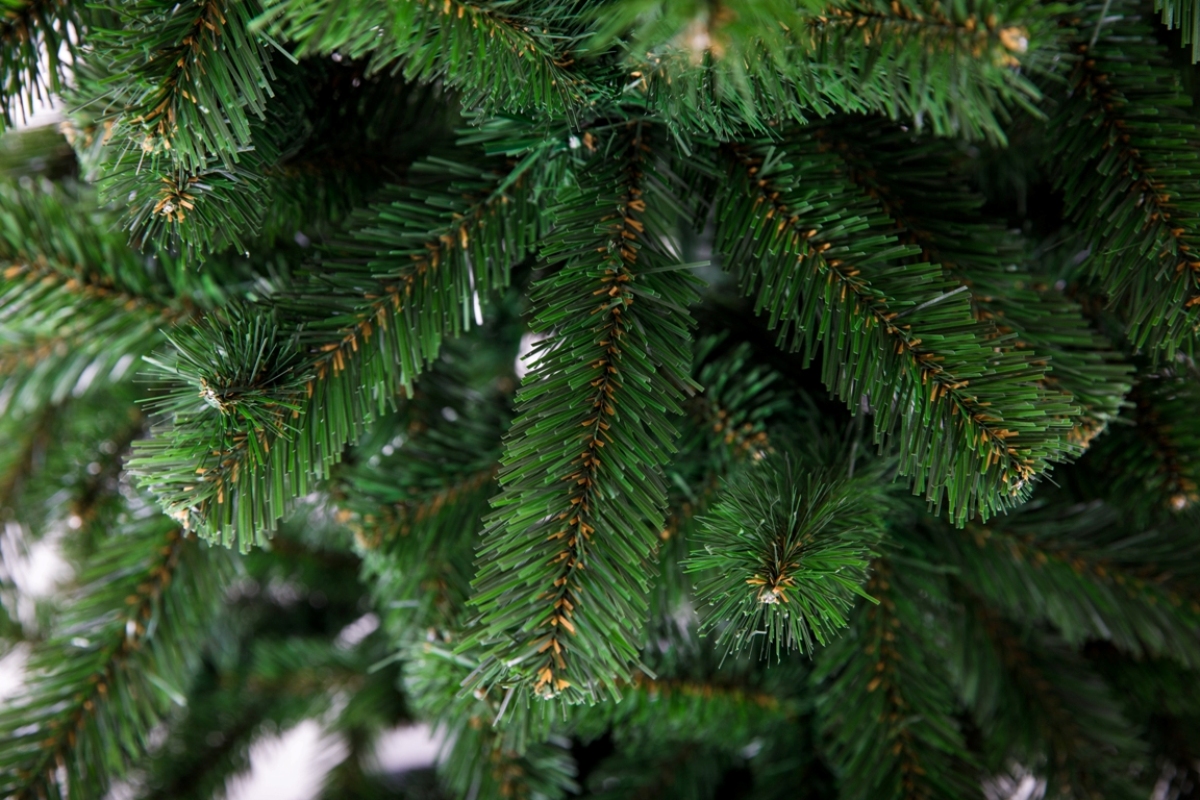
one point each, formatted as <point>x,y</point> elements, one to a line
<point>1125,132</point>
<point>825,268</point>
<point>36,151</point>
<point>786,554</point>
<point>171,95</point>
<point>270,666</point>
<point>59,468</point>
<point>207,208</point>
<point>656,728</point>
<point>524,759</point>
<point>653,25</point>
<point>1036,697</point>
<point>190,76</point>
<point>559,368</point>
<point>1156,447</point>
<point>488,51</point>
<point>33,35</point>
<point>721,62</point>
<point>416,499</point>
<point>717,68</point>
<point>312,171</point>
<point>725,430</point>
<point>933,209</point>
<point>116,663</point>
<point>1160,697</point>
<point>956,68</point>
<point>381,322</point>
<point>63,465</point>
<point>583,497</point>
<point>79,307</point>
<point>240,369</point>
<point>330,165</point>
<point>689,774</point>
<point>886,706</point>
<point>1082,571</point>
<point>1183,15</point>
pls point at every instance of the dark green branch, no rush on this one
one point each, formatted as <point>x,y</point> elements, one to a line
<point>901,337</point>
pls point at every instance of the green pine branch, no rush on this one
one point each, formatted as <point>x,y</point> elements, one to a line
<point>93,493</point>
<point>521,759</point>
<point>885,705</point>
<point>424,262</point>
<point>313,168</point>
<point>375,706</point>
<point>1158,452</point>
<point>415,510</point>
<point>41,152</point>
<point>1162,699</point>
<point>964,412</point>
<point>1184,15</point>
<point>735,29</point>
<point>385,524</point>
<point>329,165</point>
<point>65,471</point>
<point>1085,574</point>
<point>934,211</point>
<point>22,462</point>
<point>654,712</point>
<point>32,69</point>
<point>77,308</point>
<point>731,415</point>
<point>120,657</point>
<point>564,567</point>
<point>18,463</point>
<point>956,68</point>
<point>1126,135</point>
<point>718,69</point>
<point>204,768</point>
<point>544,770</point>
<point>273,683</point>
<point>1037,700</point>
<point>185,79</point>
<point>724,431</point>
<point>499,55</point>
<point>200,211</point>
<point>179,93</point>
<point>783,555</point>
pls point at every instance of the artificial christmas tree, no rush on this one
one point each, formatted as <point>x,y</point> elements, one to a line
<point>743,399</point>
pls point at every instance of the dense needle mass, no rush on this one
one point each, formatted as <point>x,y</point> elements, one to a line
<point>657,398</point>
